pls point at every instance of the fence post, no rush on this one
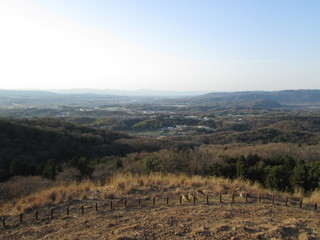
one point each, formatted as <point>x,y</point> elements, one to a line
<point>96,206</point>
<point>21,217</point>
<point>180,199</point>
<point>273,199</point>
<point>246,197</point>
<point>4,222</point>
<point>37,215</point>
<point>139,202</point>
<point>232,198</point>
<point>301,203</point>
<point>51,212</point>
<point>207,198</point>
<point>167,200</point>
<point>111,207</point>
<point>82,209</point>
<point>316,206</point>
<point>194,199</point>
<point>125,201</point>
<point>153,201</point>
<point>68,210</point>
<point>286,201</point>
<point>259,197</point>
<point>220,198</point>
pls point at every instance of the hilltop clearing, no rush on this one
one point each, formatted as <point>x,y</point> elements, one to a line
<point>242,219</point>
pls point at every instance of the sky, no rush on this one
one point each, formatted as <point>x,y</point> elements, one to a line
<point>177,45</point>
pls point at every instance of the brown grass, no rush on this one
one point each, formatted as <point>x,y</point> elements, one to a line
<point>314,197</point>
<point>54,195</point>
<point>126,183</point>
<point>122,184</point>
<point>181,183</point>
<point>20,186</point>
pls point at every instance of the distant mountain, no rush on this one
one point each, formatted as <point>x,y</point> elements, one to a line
<point>25,93</point>
<point>30,98</point>
<point>84,97</point>
<point>94,98</point>
<point>140,92</point>
<point>289,97</point>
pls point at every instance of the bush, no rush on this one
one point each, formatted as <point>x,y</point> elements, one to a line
<point>19,186</point>
<point>69,175</point>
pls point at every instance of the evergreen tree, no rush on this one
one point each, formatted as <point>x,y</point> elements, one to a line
<point>241,166</point>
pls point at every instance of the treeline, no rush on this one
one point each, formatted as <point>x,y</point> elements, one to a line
<point>260,136</point>
<point>282,173</point>
<point>142,124</point>
<point>160,122</point>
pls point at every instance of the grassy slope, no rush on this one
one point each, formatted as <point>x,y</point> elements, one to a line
<point>240,220</point>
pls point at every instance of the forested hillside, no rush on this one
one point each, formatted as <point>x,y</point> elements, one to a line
<point>27,146</point>
<point>59,149</point>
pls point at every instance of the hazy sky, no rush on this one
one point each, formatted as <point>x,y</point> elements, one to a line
<point>216,45</point>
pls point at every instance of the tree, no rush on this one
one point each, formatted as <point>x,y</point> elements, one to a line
<point>82,164</point>
<point>306,176</point>
<point>241,166</point>
<point>50,169</point>
<point>278,177</point>
<point>22,168</point>
<point>300,176</point>
<point>149,163</point>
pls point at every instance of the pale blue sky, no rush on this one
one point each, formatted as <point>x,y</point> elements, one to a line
<point>226,45</point>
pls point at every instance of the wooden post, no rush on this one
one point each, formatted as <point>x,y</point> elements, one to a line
<point>167,200</point>
<point>4,222</point>
<point>125,202</point>
<point>194,199</point>
<point>207,198</point>
<point>37,215</point>
<point>139,202</point>
<point>111,207</point>
<point>96,206</point>
<point>259,197</point>
<point>301,203</point>
<point>246,197</point>
<point>220,198</point>
<point>21,217</point>
<point>154,201</point>
<point>232,201</point>
<point>316,206</point>
<point>82,209</point>
<point>51,212</point>
<point>180,199</point>
<point>68,212</point>
<point>272,199</point>
<point>286,201</point>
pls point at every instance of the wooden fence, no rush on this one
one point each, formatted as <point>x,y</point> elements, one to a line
<point>140,203</point>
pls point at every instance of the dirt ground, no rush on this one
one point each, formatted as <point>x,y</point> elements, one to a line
<point>214,220</point>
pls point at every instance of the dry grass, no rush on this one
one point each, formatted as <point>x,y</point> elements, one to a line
<point>155,183</point>
<point>314,197</point>
<point>127,183</point>
<point>54,195</point>
<point>181,184</point>
<point>20,186</point>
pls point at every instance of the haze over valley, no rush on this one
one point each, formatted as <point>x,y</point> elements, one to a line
<point>171,119</point>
